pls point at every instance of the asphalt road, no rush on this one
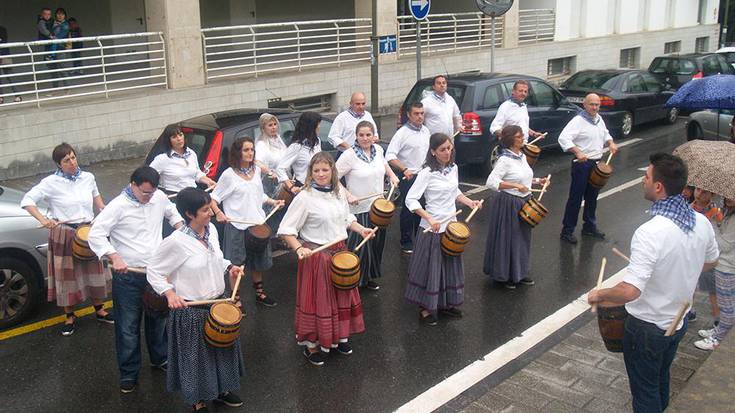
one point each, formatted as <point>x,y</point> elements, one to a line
<point>394,360</point>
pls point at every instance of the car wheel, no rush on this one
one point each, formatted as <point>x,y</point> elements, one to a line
<point>671,116</point>
<point>626,126</point>
<point>19,291</point>
<point>694,131</point>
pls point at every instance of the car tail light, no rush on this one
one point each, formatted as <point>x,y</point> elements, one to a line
<point>698,75</point>
<point>606,101</point>
<point>213,155</point>
<point>471,124</point>
<point>187,130</point>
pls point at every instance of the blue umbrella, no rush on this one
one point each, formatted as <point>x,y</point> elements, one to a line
<point>711,92</point>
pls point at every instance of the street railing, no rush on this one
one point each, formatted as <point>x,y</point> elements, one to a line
<point>536,25</point>
<point>48,70</point>
<point>261,48</point>
<point>448,33</point>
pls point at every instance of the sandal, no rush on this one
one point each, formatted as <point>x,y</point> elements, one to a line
<point>261,297</point>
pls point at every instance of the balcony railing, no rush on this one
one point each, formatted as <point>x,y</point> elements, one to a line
<point>448,33</point>
<point>536,25</point>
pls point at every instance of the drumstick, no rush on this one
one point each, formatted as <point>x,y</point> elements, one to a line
<point>273,211</point>
<point>620,254</point>
<point>209,189</point>
<point>445,220</point>
<point>599,282</point>
<point>543,189</point>
<point>538,138</point>
<point>607,162</point>
<point>327,245</point>
<point>203,302</point>
<point>369,196</point>
<point>536,190</point>
<point>139,270</point>
<point>240,221</point>
<point>237,283</point>
<point>474,210</point>
<point>455,134</point>
<point>672,328</point>
<point>366,239</point>
<point>390,193</point>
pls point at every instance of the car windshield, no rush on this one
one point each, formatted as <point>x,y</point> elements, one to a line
<point>421,91</point>
<point>591,80</point>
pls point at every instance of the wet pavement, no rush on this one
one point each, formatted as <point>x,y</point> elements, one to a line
<point>395,360</point>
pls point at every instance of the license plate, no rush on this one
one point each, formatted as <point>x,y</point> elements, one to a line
<point>575,99</point>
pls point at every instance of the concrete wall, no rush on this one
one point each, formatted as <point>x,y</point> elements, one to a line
<point>685,12</point>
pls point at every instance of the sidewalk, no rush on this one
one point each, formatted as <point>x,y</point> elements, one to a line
<point>578,375</point>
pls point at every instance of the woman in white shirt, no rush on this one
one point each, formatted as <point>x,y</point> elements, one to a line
<point>178,166</point>
<point>304,145</point>
<point>319,214</point>
<point>240,190</point>
<point>364,168</point>
<point>189,266</point>
<point>71,195</point>
<point>508,246</point>
<point>269,150</point>
<point>435,280</point>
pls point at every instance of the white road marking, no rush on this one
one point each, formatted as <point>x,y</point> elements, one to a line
<point>620,188</point>
<point>643,169</point>
<point>455,384</point>
<point>471,185</point>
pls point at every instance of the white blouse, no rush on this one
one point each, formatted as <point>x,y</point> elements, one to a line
<point>511,170</point>
<point>440,193</point>
<point>269,150</point>
<point>297,157</point>
<point>409,146</point>
<point>177,173</point>
<point>362,178</point>
<point>68,200</point>
<point>318,217</point>
<point>193,271</point>
<point>242,199</point>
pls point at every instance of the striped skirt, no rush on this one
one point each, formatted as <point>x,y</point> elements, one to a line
<point>324,316</point>
<point>371,254</point>
<point>508,246</point>
<point>435,281</point>
<point>72,281</point>
<point>196,369</point>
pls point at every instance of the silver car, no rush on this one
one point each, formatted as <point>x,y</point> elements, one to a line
<point>706,125</point>
<point>23,248</point>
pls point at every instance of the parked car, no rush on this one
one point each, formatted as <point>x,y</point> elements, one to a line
<point>23,248</point>
<point>729,54</point>
<point>676,70</point>
<point>627,97</point>
<point>479,95</point>
<point>704,124</point>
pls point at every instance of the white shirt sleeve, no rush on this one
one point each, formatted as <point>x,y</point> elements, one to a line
<point>166,259</point>
<point>497,174</point>
<point>224,187</point>
<point>35,195</point>
<point>335,133</point>
<point>713,251</point>
<point>499,119</point>
<point>567,135</point>
<point>157,162</point>
<point>289,156</point>
<point>643,257</point>
<point>195,164</point>
<point>171,213</point>
<point>345,162</point>
<point>295,216</point>
<point>417,190</point>
<point>101,229</point>
<point>394,147</point>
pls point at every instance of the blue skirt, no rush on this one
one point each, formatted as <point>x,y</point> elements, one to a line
<point>371,254</point>
<point>508,247</point>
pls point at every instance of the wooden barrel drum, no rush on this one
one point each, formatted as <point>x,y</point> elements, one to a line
<point>79,246</point>
<point>257,237</point>
<point>533,212</point>
<point>532,153</point>
<point>611,321</point>
<point>381,211</point>
<point>600,174</point>
<point>223,325</point>
<point>454,238</point>
<point>285,192</point>
<point>345,270</point>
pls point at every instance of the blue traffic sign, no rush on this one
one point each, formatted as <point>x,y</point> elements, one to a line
<point>387,44</point>
<point>419,8</point>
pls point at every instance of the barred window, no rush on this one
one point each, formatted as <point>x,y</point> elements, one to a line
<point>560,67</point>
<point>701,44</point>
<point>672,47</point>
<point>630,58</point>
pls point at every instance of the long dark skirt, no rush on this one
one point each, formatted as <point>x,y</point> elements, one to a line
<point>198,370</point>
<point>235,251</point>
<point>508,247</point>
<point>371,254</point>
<point>435,281</point>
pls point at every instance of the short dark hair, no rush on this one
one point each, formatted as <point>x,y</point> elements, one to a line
<point>305,130</point>
<point>671,171</point>
<point>145,174</point>
<point>415,105</point>
<point>190,200</point>
<point>508,134</point>
<point>235,156</point>
<point>170,133</point>
<point>62,10</point>
<point>520,82</point>
<point>435,141</point>
<point>60,152</point>
<point>46,8</point>
<point>437,77</point>
<point>364,124</point>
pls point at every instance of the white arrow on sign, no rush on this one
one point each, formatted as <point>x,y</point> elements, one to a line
<point>420,3</point>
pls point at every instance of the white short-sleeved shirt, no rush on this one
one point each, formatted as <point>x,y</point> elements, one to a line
<point>297,157</point>
<point>69,201</point>
<point>440,192</point>
<point>362,178</point>
<point>589,138</point>
<point>512,170</point>
<point>318,217</point>
<point>441,114</point>
<point>177,173</point>
<point>665,264</point>
<point>409,146</point>
<point>511,113</point>
<point>343,128</point>
<point>270,150</point>
<point>242,199</point>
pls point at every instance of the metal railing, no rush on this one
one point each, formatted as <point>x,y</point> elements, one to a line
<point>448,33</point>
<point>48,70</point>
<point>536,25</point>
<point>261,48</point>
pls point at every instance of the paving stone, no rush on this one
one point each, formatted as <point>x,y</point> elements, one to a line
<point>552,374</point>
<point>552,359</point>
<point>605,392</point>
<point>493,402</point>
<point>519,408</point>
<point>560,392</point>
<point>587,372</point>
<point>613,364</point>
<point>621,383</point>
<point>681,373</point>
<point>524,379</point>
<point>475,408</point>
<point>557,406</point>
<point>584,355</point>
<point>589,330</point>
<point>598,405</point>
<point>520,395</point>
<point>580,341</point>
<point>686,361</point>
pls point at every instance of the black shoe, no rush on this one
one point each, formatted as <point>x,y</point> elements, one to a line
<point>527,281</point>
<point>316,359</point>
<point>127,387</point>
<point>265,300</point>
<point>452,312</point>
<point>67,329</point>
<point>692,315</point>
<point>107,318</point>
<point>344,348</point>
<point>229,399</point>
<point>570,238</point>
<point>594,233</point>
<point>163,366</point>
<point>429,319</point>
<point>372,285</point>
<point>510,285</point>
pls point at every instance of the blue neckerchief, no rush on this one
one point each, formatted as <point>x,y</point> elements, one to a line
<point>508,153</point>
<point>248,170</point>
<point>361,154</point>
<point>586,116</point>
<point>186,229</point>
<point>186,154</point>
<point>355,114</point>
<point>128,191</point>
<point>446,170</point>
<point>521,103</point>
<point>677,210</point>
<point>439,98</point>
<point>73,177</point>
<point>320,188</point>
<point>410,125</point>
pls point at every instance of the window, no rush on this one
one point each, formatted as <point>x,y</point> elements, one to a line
<point>652,84</point>
<point>711,65</point>
<point>683,67</point>
<point>561,66</point>
<point>672,47</point>
<point>541,95</point>
<point>635,84</point>
<point>493,97</point>
<point>630,58</point>
<point>701,44</point>
<point>324,127</point>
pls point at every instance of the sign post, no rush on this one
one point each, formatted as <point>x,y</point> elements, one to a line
<point>493,8</point>
<point>419,10</point>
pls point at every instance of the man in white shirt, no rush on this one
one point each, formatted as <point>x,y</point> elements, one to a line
<point>133,222</point>
<point>342,133</point>
<point>441,113</point>
<point>584,136</point>
<point>514,112</point>
<point>667,254</point>
<point>406,153</point>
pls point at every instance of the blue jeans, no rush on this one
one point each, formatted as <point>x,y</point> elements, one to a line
<point>409,220</point>
<point>648,355</point>
<point>578,190</point>
<point>127,295</point>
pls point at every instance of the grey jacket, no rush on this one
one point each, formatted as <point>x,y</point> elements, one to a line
<point>725,235</point>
